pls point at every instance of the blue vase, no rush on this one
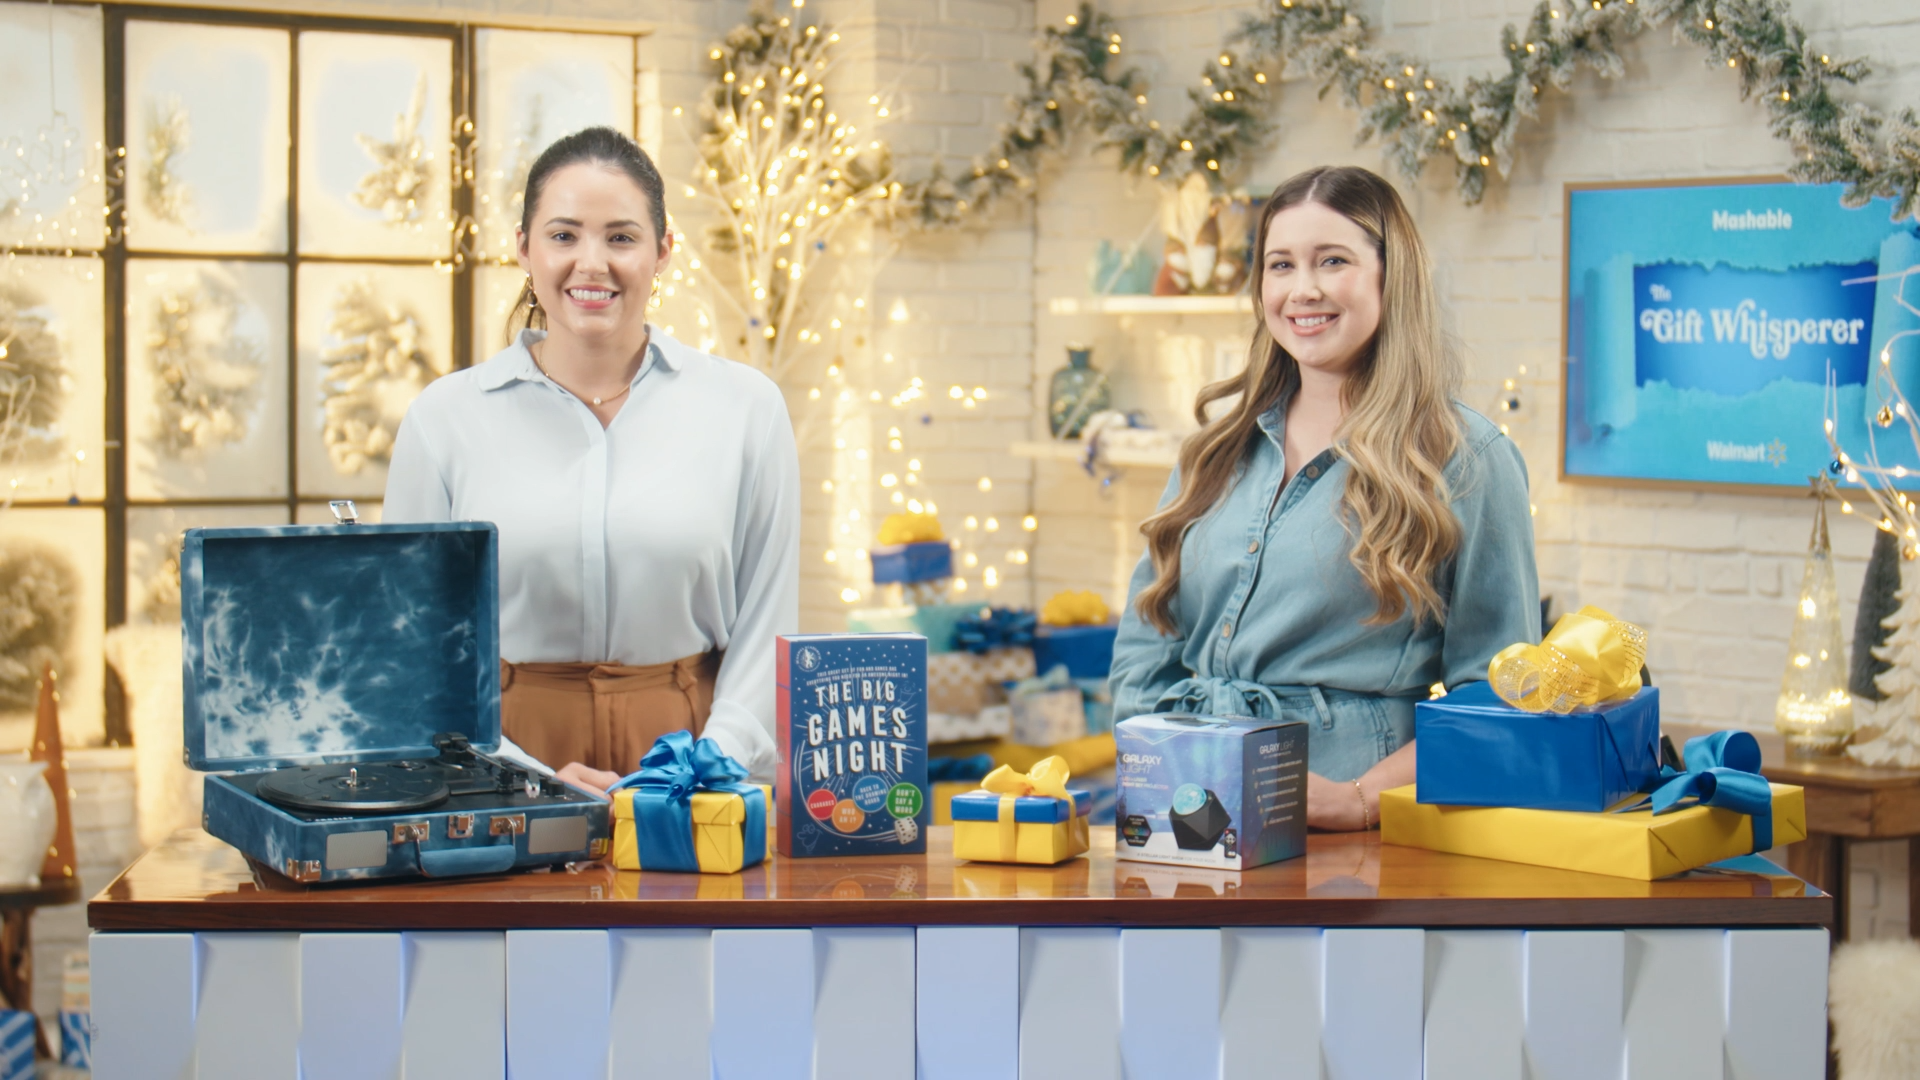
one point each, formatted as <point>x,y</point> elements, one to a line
<point>1078,391</point>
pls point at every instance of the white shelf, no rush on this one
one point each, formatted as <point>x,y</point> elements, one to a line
<point>1071,451</point>
<point>1150,305</point>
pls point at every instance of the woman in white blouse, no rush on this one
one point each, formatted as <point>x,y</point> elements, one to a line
<point>647,494</point>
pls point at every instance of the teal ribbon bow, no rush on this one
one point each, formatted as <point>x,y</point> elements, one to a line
<point>1723,770</point>
<point>670,772</point>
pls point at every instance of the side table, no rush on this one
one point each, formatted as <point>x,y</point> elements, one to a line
<point>1848,802</point>
<point>16,946</point>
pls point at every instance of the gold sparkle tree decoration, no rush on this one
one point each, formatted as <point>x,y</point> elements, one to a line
<point>1890,732</point>
<point>784,173</point>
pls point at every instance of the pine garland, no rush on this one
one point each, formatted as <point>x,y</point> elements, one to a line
<point>1075,79</point>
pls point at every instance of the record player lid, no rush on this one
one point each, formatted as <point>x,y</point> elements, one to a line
<point>317,643</point>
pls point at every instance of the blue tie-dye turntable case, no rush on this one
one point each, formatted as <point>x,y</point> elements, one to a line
<point>359,666</point>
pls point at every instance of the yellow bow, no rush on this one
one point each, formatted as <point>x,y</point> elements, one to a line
<point>1047,778</point>
<point>1075,609</point>
<point>1589,657</point>
<point>909,529</point>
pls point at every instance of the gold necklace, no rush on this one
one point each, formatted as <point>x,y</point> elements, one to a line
<point>575,393</point>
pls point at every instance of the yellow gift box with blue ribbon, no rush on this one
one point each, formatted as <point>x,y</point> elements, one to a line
<point>688,809</point>
<point>1030,817</point>
<point>1718,808</point>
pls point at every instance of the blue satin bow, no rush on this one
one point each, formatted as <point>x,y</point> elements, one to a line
<point>1218,695</point>
<point>1723,770</point>
<point>670,772</point>
<point>997,628</point>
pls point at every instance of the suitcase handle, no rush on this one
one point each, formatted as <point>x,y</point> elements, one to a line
<point>456,862</point>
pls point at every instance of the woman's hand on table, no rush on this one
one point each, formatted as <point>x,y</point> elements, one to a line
<point>594,780</point>
<point>1347,805</point>
<point>1334,805</point>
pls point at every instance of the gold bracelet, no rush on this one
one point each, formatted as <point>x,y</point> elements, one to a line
<point>1366,821</point>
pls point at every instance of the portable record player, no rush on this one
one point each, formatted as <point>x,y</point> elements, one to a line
<point>342,685</point>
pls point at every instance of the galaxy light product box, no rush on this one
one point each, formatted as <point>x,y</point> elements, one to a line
<point>1208,791</point>
<point>852,730</point>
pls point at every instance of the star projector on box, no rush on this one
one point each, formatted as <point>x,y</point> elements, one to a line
<point>1204,791</point>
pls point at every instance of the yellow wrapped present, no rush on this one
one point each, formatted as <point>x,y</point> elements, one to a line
<point>1636,844</point>
<point>1030,817</point>
<point>687,809</point>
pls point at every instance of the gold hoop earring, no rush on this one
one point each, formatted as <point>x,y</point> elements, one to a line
<point>533,298</point>
<point>653,301</point>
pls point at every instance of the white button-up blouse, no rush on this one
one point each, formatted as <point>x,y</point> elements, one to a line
<point>672,531</point>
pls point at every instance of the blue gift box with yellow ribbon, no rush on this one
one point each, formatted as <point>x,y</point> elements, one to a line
<point>1087,651</point>
<point>1477,750</point>
<point>1030,817</point>
<point>688,809</point>
<point>906,564</point>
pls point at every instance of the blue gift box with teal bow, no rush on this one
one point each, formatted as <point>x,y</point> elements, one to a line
<point>688,809</point>
<point>1476,750</point>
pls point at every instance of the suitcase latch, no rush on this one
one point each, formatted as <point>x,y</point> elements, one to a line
<point>306,871</point>
<point>507,824</point>
<point>344,512</point>
<point>410,832</point>
<point>459,826</point>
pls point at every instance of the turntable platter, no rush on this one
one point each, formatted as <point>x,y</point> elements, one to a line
<point>353,789</point>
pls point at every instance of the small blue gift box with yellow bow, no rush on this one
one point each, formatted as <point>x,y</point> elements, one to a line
<point>1477,750</point>
<point>1030,817</point>
<point>688,809</point>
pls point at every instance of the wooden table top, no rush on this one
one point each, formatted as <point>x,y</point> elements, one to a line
<point>194,882</point>
<point>1841,772</point>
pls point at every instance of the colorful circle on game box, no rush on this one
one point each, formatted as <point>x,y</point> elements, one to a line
<point>820,804</point>
<point>870,793</point>
<point>847,816</point>
<point>904,801</point>
<point>1189,797</point>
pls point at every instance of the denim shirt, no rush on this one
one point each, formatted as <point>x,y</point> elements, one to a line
<point>1270,608</point>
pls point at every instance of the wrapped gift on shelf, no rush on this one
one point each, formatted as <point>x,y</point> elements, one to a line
<point>992,722</point>
<point>1075,631</point>
<point>1720,808</point>
<point>1477,750</point>
<point>966,682</point>
<point>1030,817</point>
<point>935,622</point>
<point>17,1028</point>
<point>1047,709</point>
<point>688,809</point>
<point>929,560</point>
<point>1048,716</point>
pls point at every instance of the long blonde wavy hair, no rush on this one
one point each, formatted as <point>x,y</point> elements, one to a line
<point>1399,431</point>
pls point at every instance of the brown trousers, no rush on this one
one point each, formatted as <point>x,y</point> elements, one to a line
<point>604,716</point>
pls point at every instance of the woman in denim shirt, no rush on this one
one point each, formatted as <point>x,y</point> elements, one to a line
<point>1343,534</point>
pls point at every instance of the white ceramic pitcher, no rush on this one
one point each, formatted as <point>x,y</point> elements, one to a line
<point>26,822</point>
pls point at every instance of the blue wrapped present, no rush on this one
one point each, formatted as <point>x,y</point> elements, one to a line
<point>76,1039</point>
<point>1476,750</point>
<point>17,1029</point>
<point>1087,651</point>
<point>908,564</point>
